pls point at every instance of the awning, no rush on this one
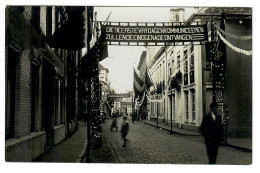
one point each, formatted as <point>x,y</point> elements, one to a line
<point>71,34</point>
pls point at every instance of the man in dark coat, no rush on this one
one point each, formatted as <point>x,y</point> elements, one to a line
<point>212,130</point>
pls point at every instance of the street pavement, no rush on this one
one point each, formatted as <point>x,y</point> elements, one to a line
<point>70,150</point>
<point>146,144</point>
<point>150,145</point>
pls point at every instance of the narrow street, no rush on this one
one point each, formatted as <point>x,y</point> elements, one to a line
<point>148,144</point>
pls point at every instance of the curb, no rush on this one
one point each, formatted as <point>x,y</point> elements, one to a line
<point>172,131</point>
<point>227,145</point>
<point>238,147</point>
<point>82,154</point>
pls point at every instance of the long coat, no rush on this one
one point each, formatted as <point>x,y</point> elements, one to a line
<point>212,130</point>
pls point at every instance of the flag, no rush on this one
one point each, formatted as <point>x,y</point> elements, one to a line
<point>221,46</point>
<point>138,84</point>
<point>148,81</point>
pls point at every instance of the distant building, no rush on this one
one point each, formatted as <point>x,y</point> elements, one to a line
<point>106,106</point>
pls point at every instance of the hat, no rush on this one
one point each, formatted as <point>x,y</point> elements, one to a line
<point>213,105</point>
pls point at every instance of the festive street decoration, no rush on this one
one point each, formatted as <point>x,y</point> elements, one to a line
<point>238,50</point>
<point>249,37</point>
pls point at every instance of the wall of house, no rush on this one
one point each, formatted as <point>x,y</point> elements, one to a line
<point>27,133</point>
<point>238,80</point>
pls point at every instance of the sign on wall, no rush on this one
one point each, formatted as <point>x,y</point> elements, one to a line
<point>153,34</point>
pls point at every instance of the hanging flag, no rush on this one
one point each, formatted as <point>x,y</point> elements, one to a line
<point>138,84</point>
<point>148,81</point>
<point>221,46</point>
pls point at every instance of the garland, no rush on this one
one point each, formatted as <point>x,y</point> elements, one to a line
<point>142,100</point>
<point>245,52</point>
<point>249,37</point>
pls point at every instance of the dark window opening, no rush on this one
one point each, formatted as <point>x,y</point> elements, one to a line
<point>35,20</point>
<point>49,22</point>
<point>10,102</point>
<point>34,89</point>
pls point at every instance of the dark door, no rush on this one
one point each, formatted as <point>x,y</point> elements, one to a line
<point>48,101</point>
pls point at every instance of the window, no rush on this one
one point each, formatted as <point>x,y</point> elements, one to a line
<point>10,102</point>
<point>192,49</point>
<point>56,104</point>
<point>185,54</point>
<point>192,80</point>
<point>193,105</point>
<point>34,93</point>
<point>177,18</point>
<point>187,104</point>
<point>152,108</point>
<point>192,63</point>
<point>178,60</point>
<point>185,67</point>
<point>186,76</point>
<point>61,102</point>
<point>173,107</point>
<point>48,21</point>
<point>56,17</point>
<point>35,20</point>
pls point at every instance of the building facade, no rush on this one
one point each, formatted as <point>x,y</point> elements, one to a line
<point>105,89</point>
<point>190,90</point>
<point>40,82</point>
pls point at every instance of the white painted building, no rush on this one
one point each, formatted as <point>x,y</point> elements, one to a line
<point>187,107</point>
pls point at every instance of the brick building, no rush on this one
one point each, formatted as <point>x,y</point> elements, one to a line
<point>41,85</point>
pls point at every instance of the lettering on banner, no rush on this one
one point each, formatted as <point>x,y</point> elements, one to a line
<point>118,33</point>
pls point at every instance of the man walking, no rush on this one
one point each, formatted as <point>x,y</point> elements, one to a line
<point>212,130</point>
<point>124,130</point>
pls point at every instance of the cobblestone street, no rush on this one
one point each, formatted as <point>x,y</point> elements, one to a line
<point>148,144</point>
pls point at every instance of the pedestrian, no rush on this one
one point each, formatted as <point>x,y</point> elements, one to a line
<point>114,123</point>
<point>212,131</point>
<point>124,130</point>
<point>133,118</point>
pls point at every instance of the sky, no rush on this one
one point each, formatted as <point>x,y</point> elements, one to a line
<point>122,59</point>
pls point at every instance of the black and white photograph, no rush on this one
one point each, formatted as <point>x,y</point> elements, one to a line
<point>128,84</point>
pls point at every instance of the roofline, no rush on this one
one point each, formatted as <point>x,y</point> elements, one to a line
<point>216,15</point>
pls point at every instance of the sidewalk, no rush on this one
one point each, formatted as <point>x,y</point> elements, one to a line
<point>70,150</point>
<point>239,143</point>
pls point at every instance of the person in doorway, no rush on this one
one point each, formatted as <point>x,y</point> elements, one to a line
<point>124,130</point>
<point>212,131</point>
